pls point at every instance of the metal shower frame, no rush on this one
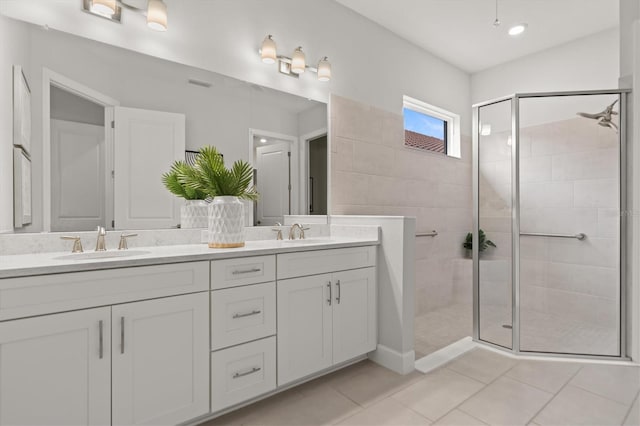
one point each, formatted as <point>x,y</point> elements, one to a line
<point>515,221</point>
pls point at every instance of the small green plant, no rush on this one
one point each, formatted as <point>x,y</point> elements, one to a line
<point>174,181</point>
<point>484,242</point>
<point>210,176</point>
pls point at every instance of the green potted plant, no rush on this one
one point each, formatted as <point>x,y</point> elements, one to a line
<point>484,242</point>
<point>226,187</point>
<point>194,213</point>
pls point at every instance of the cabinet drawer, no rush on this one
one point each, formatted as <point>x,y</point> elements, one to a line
<point>236,272</point>
<point>28,296</point>
<point>322,261</point>
<point>242,372</point>
<point>242,314</point>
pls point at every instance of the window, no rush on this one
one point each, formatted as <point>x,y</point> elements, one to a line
<point>431,128</point>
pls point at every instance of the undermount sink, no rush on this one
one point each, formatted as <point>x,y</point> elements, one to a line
<point>102,255</point>
<point>307,241</point>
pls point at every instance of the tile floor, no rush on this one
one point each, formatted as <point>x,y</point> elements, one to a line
<point>441,327</point>
<point>480,387</point>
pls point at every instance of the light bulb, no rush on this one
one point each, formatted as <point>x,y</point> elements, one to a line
<point>517,29</point>
<point>103,7</point>
<point>157,15</point>
<point>268,51</point>
<point>298,62</point>
<point>324,69</point>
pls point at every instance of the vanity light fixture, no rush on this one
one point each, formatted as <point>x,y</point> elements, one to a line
<point>298,61</point>
<point>296,64</point>
<point>155,12</point>
<point>517,29</point>
<point>485,129</point>
<point>268,50</point>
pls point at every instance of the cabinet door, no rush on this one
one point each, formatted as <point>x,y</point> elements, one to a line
<point>354,313</point>
<point>160,360</point>
<point>56,369</point>
<point>304,327</point>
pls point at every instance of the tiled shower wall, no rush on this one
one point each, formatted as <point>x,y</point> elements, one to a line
<point>373,173</point>
<point>568,184</point>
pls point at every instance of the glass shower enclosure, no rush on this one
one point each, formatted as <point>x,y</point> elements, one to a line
<point>549,193</point>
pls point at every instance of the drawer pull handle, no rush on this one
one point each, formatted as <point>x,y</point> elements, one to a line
<point>246,373</point>
<point>338,292</point>
<point>101,342</point>
<point>248,314</point>
<point>246,271</point>
<point>330,295</point>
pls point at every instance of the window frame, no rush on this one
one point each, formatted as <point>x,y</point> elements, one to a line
<point>451,121</point>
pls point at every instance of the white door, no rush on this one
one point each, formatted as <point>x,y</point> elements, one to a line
<point>304,327</point>
<point>274,178</point>
<point>146,143</point>
<point>354,313</point>
<point>78,176</point>
<point>55,371</point>
<point>161,360</point>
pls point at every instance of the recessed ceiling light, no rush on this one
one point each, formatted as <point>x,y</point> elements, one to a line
<point>517,29</point>
<point>263,140</point>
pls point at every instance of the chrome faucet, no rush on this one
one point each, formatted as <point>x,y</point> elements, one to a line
<point>292,231</point>
<point>100,243</point>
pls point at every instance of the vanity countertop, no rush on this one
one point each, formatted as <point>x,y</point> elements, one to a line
<point>12,266</point>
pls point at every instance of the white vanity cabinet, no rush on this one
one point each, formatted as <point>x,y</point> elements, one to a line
<point>160,358</point>
<point>127,363</point>
<point>325,319</point>
<point>56,369</point>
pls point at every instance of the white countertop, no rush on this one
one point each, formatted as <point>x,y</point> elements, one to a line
<point>54,263</point>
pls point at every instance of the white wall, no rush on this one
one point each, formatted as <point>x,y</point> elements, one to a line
<point>69,107</point>
<point>588,63</point>
<point>312,119</point>
<point>15,51</point>
<point>370,64</point>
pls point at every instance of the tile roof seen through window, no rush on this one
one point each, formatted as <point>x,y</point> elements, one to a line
<point>420,141</point>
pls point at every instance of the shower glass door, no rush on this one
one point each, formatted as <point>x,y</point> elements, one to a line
<point>494,203</point>
<point>569,211</point>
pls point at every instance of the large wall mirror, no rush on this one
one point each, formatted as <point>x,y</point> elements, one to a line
<point>107,122</point>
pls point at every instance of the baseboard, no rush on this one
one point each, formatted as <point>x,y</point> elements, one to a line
<point>401,363</point>
<point>444,355</point>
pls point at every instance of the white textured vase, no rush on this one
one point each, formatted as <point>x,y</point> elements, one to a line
<point>226,222</point>
<point>194,214</point>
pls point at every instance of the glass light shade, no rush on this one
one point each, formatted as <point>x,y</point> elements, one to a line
<point>268,51</point>
<point>485,130</point>
<point>324,69</point>
<point>298,62</point>
<point>103,7</point>
<point>157,15</point>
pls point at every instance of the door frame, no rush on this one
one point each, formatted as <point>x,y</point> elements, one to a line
<point>297,192</point>
<point>52,78</point>
<point>304,167</point>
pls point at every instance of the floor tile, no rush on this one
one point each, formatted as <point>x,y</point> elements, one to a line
<point>438,393</point>
<point>575,406</point>
<point>546,375</point>
<point>482,365</point>
<point>386,413</point>
<point>251,414</point>
<point>372,386</point>
<point>617,382</point>
<point>633,417</point>
<point>506,402</point>
<point>334,379</point>
<point>459,418</point>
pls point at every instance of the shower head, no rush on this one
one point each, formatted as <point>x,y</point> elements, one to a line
<point>604,118</point>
